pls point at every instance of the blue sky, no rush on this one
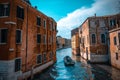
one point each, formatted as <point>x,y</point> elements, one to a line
<point>70,14</point>
<point>59,8</point>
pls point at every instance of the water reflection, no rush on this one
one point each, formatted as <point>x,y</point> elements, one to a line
<point>81,71</point>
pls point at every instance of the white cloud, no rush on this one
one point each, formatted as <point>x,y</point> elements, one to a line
<point>77,17</point>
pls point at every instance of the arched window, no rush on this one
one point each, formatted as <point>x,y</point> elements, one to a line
<point>103,38</point>
<point>93,38</point>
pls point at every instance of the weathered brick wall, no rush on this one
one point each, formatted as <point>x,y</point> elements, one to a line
<point>99,26</point>
<point>27,24</point>
<point>114,49</point>
<point>75,42</point>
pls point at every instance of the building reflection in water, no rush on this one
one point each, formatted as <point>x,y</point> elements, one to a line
<point>86,65</point>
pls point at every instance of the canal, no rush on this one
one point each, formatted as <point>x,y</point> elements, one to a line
<point>81,71</point>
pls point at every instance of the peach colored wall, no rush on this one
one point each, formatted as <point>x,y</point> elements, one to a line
<point>114,49</point>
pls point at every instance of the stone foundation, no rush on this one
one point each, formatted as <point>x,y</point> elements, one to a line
<point>7,70</point>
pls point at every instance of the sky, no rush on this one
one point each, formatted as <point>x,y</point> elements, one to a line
<point>70,14</point>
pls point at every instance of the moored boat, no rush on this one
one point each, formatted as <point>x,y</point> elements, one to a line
<point>68,61</point>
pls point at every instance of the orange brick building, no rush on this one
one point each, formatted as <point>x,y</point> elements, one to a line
<point>60,42</point>
<point>75,42</point>
<point>99,39</point>
<point>27,40</point>
<point>93,35</point>
<point>114,33</point>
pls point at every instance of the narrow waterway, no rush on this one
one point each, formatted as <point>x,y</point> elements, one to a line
<point>81,71</point>
<point>77,72</point>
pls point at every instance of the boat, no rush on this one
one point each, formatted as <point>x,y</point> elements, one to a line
<point>68,61</point>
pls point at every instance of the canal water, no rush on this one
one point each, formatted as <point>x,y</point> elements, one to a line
<point>81,71</point>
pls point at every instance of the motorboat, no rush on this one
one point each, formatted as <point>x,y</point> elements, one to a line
<point>68,61</point>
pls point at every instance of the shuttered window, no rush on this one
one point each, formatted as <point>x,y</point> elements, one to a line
<point>38,38</point>
<point>38,21</point>
<point>18,36</point>
<point>115,42</point>
<point>44,22</point>
<point>116,56</point>
<point>17,65</point>
<point>20,12</point>
<point>93,38</point>
<point>44,57</point>
<point>4,10</point>
<point>103,38</point>
<point>3,35</point>
<point>39,59</point>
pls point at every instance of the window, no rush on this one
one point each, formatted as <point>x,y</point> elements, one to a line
<point>51,55</point>
<point>38,21</point>
<point>44,56</point>
<point>93,38</point>
<point>116,56</point>
<point>112,22</point>
<point>17,65</point>
<point>18,36</point>
<point>39,59</point>
<point>119,37</point>
<point>55,27</point>
<point>50,39</point>
<point>44,39</point>
<point>103,38</point>
<point>4,10</point>
<point>38,38</point>
<point>44,24</point>
<point>20,12</point>
<point>115,42</point>
<point>3,35</point>
<point>83,42</point>
<point>50,25</point>
<point>80,40</point>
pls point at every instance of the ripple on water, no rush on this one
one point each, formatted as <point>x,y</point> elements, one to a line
<point>77,72</point>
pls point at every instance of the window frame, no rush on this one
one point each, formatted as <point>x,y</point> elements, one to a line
<point>51,26</point>
<point>20,16</point>
<point>119,37</point>
<point>44,39</point>
<point>38,21</point>
<point>6,36</point>
<point>44,23</point>
<point>37,38</point>
<point>17,65</point>
<point>5,15</point>
<point>102,38</point>
<point>92,38</point>
<point>37,59</point>
<point>117,56</point>
<point>112,22</point>
<point>20,36</point>
<point>115,40</point>
<point>44,57</point>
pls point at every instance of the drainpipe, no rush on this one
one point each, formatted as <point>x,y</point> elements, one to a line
<point>26,40</point>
